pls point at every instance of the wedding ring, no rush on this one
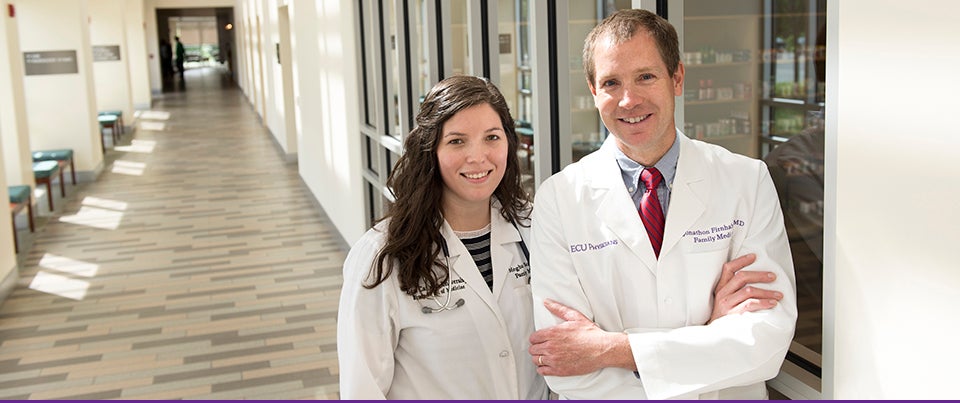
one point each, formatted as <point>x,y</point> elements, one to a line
<point>540,360</point>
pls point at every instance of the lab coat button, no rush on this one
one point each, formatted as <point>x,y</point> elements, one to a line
<point>668,300</point>
<point>504,353</point>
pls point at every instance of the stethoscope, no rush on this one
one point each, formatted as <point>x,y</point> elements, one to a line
<point>446,306</point>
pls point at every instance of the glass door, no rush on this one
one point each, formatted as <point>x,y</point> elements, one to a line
<point>754,85</point>
<point>792,144</point>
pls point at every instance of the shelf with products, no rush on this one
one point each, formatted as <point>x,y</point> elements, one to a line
<point>731,17</point>
<point>733,124</point>
<point>717,65</point>
<point>716,101</point>
<point>721,137</point>
<point>721,54</point>
<point>713,56</point>
<point>792,103</point>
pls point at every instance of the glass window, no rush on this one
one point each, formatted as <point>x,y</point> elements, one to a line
<point>586,129</point>
<point>420,48</point>
<point>460,38</point>
<point>752,87</point>
<point>393,60</point>
<point>721,73</point>
<point>792,105</point>
<point>381,109</point>
<point>368,78</point>
<point>516,84</point>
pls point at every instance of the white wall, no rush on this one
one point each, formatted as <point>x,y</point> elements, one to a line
<point>327,87</point>
<point>137,58</point>
<point>8,259</point>
<point>273,90</point>
<point>285,81</point>
<point>892,267</point>
<point>273,96</point>
<point>250,15</point>
<point>112,78</point>
<point>61,108</point>
<point>14,131</point>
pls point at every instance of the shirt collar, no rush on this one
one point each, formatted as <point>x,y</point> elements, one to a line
<point>630,169</point>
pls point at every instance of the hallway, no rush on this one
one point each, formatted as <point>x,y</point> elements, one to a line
<point>197,266</point>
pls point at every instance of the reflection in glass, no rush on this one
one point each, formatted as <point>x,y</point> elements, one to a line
<point>753,87</point>
<point>460,37</point>
<point>515,79</point>
<point>587,131</point>
<point>721,73</point>
<point>369,78</point>
<point>792,105</point>
<point>393,58</point>
<point>420,52</point>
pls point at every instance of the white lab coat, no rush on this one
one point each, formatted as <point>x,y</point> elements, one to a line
<point>589,250</point>
<point>388,348</point>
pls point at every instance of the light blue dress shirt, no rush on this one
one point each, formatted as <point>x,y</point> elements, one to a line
<point>630,171</point>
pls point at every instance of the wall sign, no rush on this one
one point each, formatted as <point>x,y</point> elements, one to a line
<point>50,62</point>
<point>504,44</point>
<point>106,53</point>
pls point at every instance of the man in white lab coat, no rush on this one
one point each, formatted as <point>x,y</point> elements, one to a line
<point>646,290</point>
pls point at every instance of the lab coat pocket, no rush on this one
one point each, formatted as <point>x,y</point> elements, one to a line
<point>524,296</point>
<point>703,243</point>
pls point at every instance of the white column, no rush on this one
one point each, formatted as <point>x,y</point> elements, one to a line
<point>891,261</point>
<point>14,131</point>
<point>137,56</point>
<point>62,107</point>
<point>112,77</point>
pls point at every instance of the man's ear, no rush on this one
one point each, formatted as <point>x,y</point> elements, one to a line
<point>678,80</point>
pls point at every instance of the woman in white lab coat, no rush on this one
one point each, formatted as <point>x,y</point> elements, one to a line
<point>436,298</point>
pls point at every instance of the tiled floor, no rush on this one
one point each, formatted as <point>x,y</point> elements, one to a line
<point>196,266</point>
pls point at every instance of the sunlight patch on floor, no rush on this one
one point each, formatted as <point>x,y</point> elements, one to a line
<point>61,285</point>
<point>128,168</point>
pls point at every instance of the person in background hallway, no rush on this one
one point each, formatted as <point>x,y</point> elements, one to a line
<point>166,59</point>
<point>436,297</point>
<point>181,56</point>
<point>625,279</point>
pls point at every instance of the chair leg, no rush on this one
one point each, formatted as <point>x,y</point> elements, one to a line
<point>49,192</point>
<point>16,244</point>
<point>30,215</point>
<point>73,172</point>
<point>63,191</point>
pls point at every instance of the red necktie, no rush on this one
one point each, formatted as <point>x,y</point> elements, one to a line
<point>650,211</point>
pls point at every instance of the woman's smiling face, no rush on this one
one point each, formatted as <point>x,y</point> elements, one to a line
<point>472,155</point>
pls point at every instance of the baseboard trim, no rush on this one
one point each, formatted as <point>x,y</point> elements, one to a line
<point>9,283</point>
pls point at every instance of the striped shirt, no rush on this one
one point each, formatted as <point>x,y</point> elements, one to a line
<point>478,244</point>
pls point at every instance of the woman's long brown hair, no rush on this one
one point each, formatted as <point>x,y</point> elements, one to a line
<point>413,235</point>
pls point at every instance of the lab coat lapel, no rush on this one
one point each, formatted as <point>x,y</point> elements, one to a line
<point>616,209</point>
<point>503,240</point>
<point>688,199</point>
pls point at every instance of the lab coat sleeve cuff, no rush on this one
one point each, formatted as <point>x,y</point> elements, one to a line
<point>643,345</point>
